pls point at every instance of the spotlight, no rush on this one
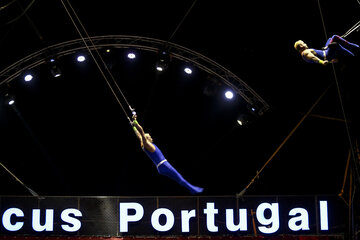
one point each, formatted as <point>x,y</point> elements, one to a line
<point>28,77</point>
<point>159,68</point>
<point>188,70</point>
<point>229,94</point>
<point>161,65</point>
<point>54,68</point>
<point>243,120</point>
<point>10,99</point>
<point>256,109</point>
<point>81,58</point>
<point>131,55</point>
<point>163,60</point>
<point>55,71</point>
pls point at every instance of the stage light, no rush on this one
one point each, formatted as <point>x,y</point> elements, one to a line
<point>188,70</point>
<point>54,68</point>
<point>229,94</point>
<point>163,60</point>
<point>81,58</point>
<point>11,102</point>
<point>131,55</point>
<point>159,68</point>
<point>10,99</point>
<point>55,71</point>
<point>28,77</point>
<point>256,109</point>
<point>243,119</point>
<point>161,65</point>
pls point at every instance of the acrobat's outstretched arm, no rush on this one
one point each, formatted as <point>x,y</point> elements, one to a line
<point>141,135</point>
<point>137,133</point>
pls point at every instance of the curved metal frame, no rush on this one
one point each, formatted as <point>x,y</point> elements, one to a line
<point>143,43</point>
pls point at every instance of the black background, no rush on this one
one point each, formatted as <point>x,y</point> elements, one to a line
<point>72,138</point>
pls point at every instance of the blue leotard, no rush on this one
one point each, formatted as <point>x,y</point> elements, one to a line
<point>157,156</point>
<point>165,168</point>
<point>332,52</point>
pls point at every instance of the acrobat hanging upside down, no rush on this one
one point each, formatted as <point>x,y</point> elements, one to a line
<point>334,48</point>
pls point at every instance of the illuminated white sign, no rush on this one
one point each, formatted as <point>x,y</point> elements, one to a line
<point>71,224</point>
<point>299,218</point>
<point>144,217</point>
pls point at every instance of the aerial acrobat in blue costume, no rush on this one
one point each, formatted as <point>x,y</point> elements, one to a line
<point>335,47</point>
<point>162,165</point>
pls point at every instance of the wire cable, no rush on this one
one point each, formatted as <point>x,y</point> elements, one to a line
<point>354,166</point>
<point>22,14</point>
<point>283,142</point>
<point>352,29</point>
<point>182,20</point>
<point>341,103</point>
<point>99,55</point>
<point>322,19</point>
<point>7,5</point>
<point>345,177</point>
<point>95,60</point>
<point>18,180</point>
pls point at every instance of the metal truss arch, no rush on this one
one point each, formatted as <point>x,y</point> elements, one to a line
<point>137,42</point>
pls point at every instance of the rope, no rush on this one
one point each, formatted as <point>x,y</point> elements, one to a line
<point>7,5</point>
<point>341,104</point>
<point>283,143</point>
<point>355,172</point>
<point>353,28</point>
<point>21,15</point>
<point>18,180</point>
<point>95,60</point>
<point>322,20</point>
<point>182,20</point>
<point>98,54</point>
<point>345,177</point>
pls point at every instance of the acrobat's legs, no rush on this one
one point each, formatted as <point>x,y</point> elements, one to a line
<point>335,47</point>
<point>340,40</point>
<point>344,51</point>
<point>169,171</point>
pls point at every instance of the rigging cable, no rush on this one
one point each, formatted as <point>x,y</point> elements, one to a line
<point>283,142</point>
<point>353,28</point>
<point>95,60</point>
<point>23,184</point>
<point>345,177</point>
<point>354,169</point>
<point>21,15</point>
<point>341,102</point>
<point>7,5</point>
<point>182,20</point>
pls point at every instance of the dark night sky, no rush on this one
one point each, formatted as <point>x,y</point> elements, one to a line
<point>70,137</point>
